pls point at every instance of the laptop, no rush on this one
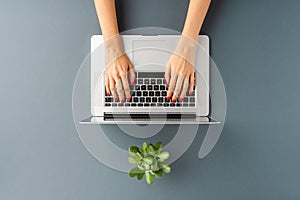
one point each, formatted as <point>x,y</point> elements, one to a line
<point>148,104</point>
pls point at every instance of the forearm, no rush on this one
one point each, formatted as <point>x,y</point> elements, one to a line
<point>195,16</point>
<point>106,12</point>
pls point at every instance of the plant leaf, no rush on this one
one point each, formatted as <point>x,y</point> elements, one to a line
<point>144,147</point>
<point>164,155</point>
<point>133,172</point>
<point>140,176</point>
<point>158,146</point>
<point>133,149</point>
<point>133,160</point>
<point>159,173</point>
<point>150,149</point>
<point>149,178</point>
<point>148,160</point>
<point>166,169</point>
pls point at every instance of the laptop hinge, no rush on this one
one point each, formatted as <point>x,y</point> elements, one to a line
<point>149,116</point>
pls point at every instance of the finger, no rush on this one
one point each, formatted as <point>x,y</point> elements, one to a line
<point>112,86</point>
<point>184,89</point>
<point>120,90</point>
<point>168,73</point>
<point>172,84</point>
<point>107,85</point>
<point>126,87</point>
<point>177,88</point>
<point>131,75</point>
<point>192,83</point>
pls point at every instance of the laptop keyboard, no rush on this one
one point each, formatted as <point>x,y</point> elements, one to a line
<point>150,91</point>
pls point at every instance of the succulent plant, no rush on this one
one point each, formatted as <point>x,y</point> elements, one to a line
<point>149,160</point>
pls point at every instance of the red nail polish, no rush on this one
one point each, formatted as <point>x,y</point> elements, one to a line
<point>108,93</point>
<point>191,93</point>
<point>181,99</point>
<point>173,100</point>
<point>133,83</point>
<point>122,101</point>
<point>168,98</point>
<point>116,99</point>
<point>128,99</point>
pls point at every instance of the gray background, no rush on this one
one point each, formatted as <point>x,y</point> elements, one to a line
<point>256,47</point>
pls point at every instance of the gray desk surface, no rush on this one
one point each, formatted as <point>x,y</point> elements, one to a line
<point>256,47</point>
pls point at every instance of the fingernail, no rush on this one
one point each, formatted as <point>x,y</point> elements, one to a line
<point>173,100</point>
<point>128,99</point>
<point>133,83</point>
<point>191,93</point>
<point>167,82</point>
<point>168,98</point>
<point>122,101</point>
<point>116,99</point>
<point>181,99</point>
<point>108,93</point>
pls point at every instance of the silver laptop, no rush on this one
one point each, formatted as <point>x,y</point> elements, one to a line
<point>148,104</point>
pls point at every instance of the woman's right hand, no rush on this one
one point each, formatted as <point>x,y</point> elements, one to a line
<point>119,70</point>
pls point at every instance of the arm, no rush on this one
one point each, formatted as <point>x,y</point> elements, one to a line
<point>180,68</point>
<point>107,17</point>
<point>117,63</point>
<point>195,17</point>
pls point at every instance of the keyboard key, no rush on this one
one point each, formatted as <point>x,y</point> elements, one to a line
<point>148,99</point>
<point>140,105</point>
<point>164,93</point>
<point>114,104</point>
<point>145,93</point>
<point>108,99</point>
<point>127,104</point>
<point>153,81</point>
<point>159,81</point>
<point>172,104</point>
<point>157,93</point>
<point>137,87</point>
<point>166,105</point>
<point>192,99</point>
<point>132,94</point>
<point>192,105</point>
<point>156,87</point>
<point>143,87</point>
<point>162,87</point>
<point>154,99</point>
<point>146,81</point>
<point>167,100</point>
<point>159,104</point>
<point>153,104</point>
<point>135,99</point>
<point>151,93</point>
<point>138,93</point>
<point>142,99</point>
<point>178,104</point>
<point>150,87</point>
<point>185,99</point>
<point>146,104</point>
<point>131,87</point>
<point>120,104</point>
<point>160,99</point>
<point>107,104</point>
<point>133,105</point>
<point>140,81</point>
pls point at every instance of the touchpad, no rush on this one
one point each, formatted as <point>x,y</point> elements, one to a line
<point>150,51</point>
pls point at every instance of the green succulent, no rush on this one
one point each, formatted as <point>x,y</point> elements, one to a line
<point>149,160</point>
